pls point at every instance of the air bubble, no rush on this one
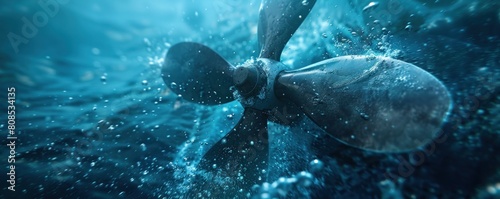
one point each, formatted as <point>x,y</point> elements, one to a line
<point>370,5</point>
<point>305,178</point>
<point>408,27</point>
<point>255,188</point>
<point>364,116</point>
<point>103,79</point>
<point>305,2</point>
<point>316,100</point>
<point>265,186</point>
<point>282,186</point>
<point>265,196</point>
<point>173,85</point>
<point>147,42</point>
<point>316,165</point>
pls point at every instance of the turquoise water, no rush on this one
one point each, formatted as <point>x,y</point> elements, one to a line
<point>95,120</point>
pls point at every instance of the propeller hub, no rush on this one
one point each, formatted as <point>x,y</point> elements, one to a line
<point>255,83</point>
<point>249,80</point>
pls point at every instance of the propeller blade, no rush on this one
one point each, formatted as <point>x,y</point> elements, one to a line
<point>237,161</point>
<point>373,103</point>
<point>278,20</point>
<point>198,74</point>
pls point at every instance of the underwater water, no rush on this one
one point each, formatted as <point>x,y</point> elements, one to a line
<point>94,118</point>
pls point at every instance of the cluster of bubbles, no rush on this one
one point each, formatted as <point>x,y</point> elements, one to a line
<point>281,187</point>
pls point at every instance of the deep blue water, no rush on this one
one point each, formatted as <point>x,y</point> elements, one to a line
<point>95,120</point>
